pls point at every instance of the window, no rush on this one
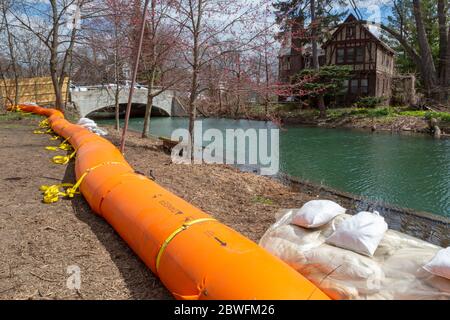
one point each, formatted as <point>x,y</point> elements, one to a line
<point>354,86</point>
<point>364,86</point>
<point>360,54</point>
<point>345,86</point>
<point>286,64</point>
<point>351,31</point>
<point>340,55</point>
<point>350,55</point>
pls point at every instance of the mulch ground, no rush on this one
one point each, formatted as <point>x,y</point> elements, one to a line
<point>39,241</point>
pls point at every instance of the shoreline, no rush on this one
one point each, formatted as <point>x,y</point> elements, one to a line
<point>39,240</point>
<point>405,220</point>
<point>403,125</point>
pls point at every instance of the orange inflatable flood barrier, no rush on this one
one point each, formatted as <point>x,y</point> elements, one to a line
<point>194,255</point>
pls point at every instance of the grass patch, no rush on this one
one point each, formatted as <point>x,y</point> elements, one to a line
<point>373,113</point>
<point>16,116</point>
<point>444,116</point>
<point>262,200</point>
<point>386,112</point>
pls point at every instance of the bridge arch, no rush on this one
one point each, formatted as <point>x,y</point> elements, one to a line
<point>91,99</point>
<point>137,110</point>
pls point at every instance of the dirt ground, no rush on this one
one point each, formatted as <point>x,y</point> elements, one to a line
<point>40,241</point>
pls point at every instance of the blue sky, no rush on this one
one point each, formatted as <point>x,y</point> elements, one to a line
<point>371,10</point>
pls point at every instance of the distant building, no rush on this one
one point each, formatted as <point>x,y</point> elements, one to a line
<point>355,43</point>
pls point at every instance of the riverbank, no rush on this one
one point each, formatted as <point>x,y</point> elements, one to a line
<point>373,119</point>
<point>40,241</point>
<point>288,192</point>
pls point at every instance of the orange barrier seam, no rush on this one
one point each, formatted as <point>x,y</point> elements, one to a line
<point>185,226</point>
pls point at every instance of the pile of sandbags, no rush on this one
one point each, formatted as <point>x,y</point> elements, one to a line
<point>92,126</point>
<point>395,271</point>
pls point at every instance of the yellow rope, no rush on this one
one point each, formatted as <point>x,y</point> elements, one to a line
<point>185,226</point>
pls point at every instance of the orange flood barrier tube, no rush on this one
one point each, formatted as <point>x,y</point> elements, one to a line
<point>194,255</point>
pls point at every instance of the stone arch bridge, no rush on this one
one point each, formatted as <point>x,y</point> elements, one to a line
<point>95,98</point>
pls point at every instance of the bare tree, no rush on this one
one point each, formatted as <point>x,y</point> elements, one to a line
<point>5,5</point>
<point>57,30</point>
<point>210,27</point>
<point>435,77</point>
<point>315,52</point>
<point>159,59</point>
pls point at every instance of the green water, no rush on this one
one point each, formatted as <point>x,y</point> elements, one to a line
<point>402,170</point>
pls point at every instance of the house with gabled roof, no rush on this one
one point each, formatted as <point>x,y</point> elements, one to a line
<point>357,44</point>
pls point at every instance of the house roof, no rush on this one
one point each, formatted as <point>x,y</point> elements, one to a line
<point>373,29</point>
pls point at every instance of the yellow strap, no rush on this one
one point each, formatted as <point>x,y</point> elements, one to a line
<point>17,109</point>
<point>64,159</point>
<point>42,132</point>
<point>174,234</point>
<point>65,146</point>
<point>53,193</point>
<point>44,124</point>
<point>62,146</point>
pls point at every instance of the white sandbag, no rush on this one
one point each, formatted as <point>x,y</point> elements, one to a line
<point>100,132</point>
<point>86,121</point>
<point>361,233</point>
<point>316,213</point>
<point>92,126</point>
<point>440,264</point>
<point>394,272</point>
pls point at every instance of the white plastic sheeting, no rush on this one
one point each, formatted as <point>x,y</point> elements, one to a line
<point>394,272</point>
<point>440,265</point>
<point>92,126</point>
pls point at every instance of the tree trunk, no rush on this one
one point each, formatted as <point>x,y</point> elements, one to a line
<point>428,73</point>
<point>447,70</point>
<point>117,106</point>
<point>266,97</point>
<point>192,110</point>
<point>12,56</point>
<point>315,54</point>
<point>54,55</point>
<point>117,90</point>
<point>196,25</point>
<point>148,113</point>
<point>443,40</point>
<point>447,73</point>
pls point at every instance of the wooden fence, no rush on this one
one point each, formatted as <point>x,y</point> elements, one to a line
<point>37,90</point>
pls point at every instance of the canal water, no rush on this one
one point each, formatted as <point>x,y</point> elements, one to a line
<point>409,171</point>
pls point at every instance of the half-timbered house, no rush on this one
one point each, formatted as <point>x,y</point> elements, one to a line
<point>357,44</point>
